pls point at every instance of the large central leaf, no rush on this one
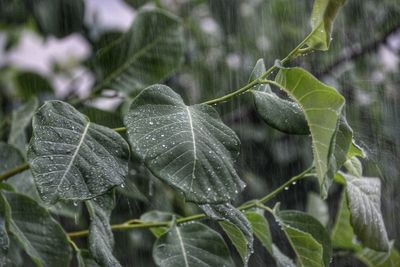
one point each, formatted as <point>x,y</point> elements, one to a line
<point>187,146</point>
<point>322,106</point>
<point>72,158</point>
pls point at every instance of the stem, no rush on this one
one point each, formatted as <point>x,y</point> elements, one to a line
<point>135,224</point>
<point>14,171</point>
<point>120,129</point>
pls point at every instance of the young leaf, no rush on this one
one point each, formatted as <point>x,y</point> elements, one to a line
<point>364,197</point>
<point>256,73</point>
<point>149,52</point>
<point>260,228</point>
<point>342,235</point>
<point>186,146</point>
<point>21,118</point>
<point>322,18</point>
<point>190,245</point>
<point>322,106</point>
<point>72,158</point>
<point>85,259</point>
<point>101,239</point>
<point>42,238</point>
<point>298,225</point>
<point>354,166</point>
<point>235,225</point>
<point>281,259</point>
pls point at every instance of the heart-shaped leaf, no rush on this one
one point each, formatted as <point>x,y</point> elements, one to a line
<point>42,238</point>
<point>101,239</point>
<point>149,52</point>
<point>191,245</point>
<point>322,18</point>
<point>186,146</point>
<point>72,158</point>
<point>322,106</point>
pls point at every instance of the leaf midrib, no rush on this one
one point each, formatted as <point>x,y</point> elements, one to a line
<point>84,133</point>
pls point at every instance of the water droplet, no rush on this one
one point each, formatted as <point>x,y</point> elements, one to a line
<point>286,188</point>
<point>75,203</point>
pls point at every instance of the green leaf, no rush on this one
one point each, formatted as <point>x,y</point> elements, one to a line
<point>354,166</point>
<point>72,158</point>
<point>30,84</point>
<point>317,208</point>
<point>364,197</point>
<point>304,230</point>
<point>260,229</point>
<point>148,53</point>
<point>190,245</point>
<point>322,18</point>
<point>20,120</point>
<point>393,260</point>
<point>322,106</point>
<point>59,18</point>
<point>256,73</point>
<point>235,225</point>
<point>281,259</point>
<point>101,239</point>
<point>186,146</point>
<point>342,235</point>
<point>85,259</point>
<point>42,238</point>
<point>10,157</point>
<point>156,215</point>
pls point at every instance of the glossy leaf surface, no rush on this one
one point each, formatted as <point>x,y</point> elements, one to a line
<point>186,146</point>
<point>72,158</point>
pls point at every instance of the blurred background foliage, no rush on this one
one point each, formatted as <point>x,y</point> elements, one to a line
<point>47,49</point>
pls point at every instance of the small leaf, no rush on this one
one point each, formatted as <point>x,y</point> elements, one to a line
<point>235,225</point>
<point>59,18</point>
<point>256,73</point>
<point>342,235</point>
<point>303,230</point>
<point>20,120</point>
<point>85,259</point>
<point>190,245</point>
<point>260,229</point>
<point>322,18</point>
<point>156,215</point>
<point>186,146</point>
<point>322,106</point>
<point>72,158</point>
<point>101,239</point>
<point>281,259</point>
<point>317,208</point>
<point>42,238</point>
<point>364,197</point>
<point>354,166</point>
<point>148,53</point>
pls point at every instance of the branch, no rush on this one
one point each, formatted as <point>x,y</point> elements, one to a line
<point>136,224</point>
<point>14,171</point>
<point>356,51</point>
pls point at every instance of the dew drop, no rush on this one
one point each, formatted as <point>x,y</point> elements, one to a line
<point>286,188</point>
